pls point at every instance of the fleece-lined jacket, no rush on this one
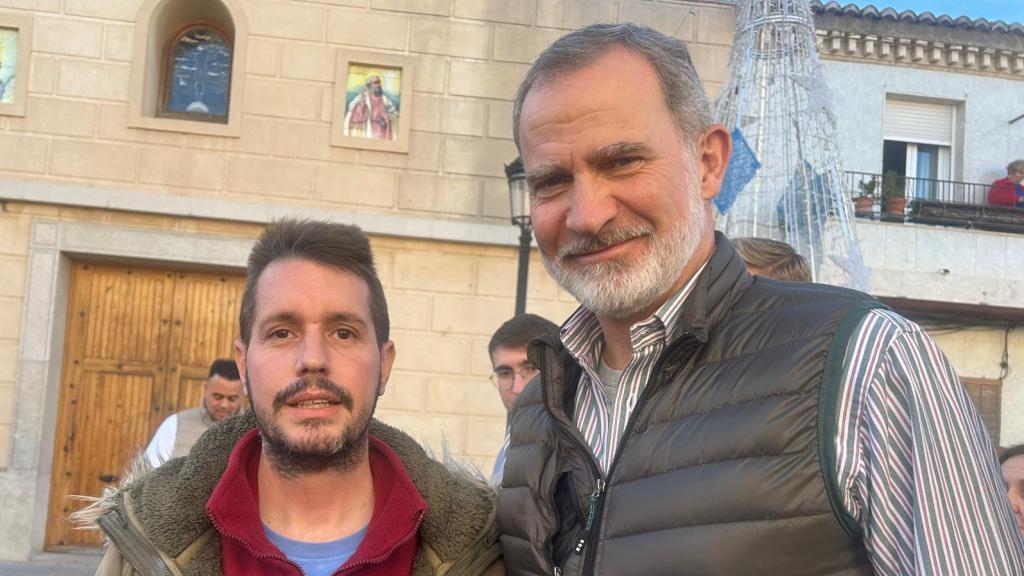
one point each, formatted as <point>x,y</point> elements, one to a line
<point>158,524</point>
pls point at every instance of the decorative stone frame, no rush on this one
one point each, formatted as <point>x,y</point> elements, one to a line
<point>23,23</point>
<point>344,60</point>
<point>155,25</point>
<point>25,482</point>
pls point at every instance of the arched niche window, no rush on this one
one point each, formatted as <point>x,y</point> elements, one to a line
<point>197,82</point>
<point>188,66</point>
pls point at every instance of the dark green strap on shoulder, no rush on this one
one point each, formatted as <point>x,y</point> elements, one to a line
<point>828,407</point>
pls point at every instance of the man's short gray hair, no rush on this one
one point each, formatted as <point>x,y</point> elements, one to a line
<point>682,88</point>
<point>1015,166</point>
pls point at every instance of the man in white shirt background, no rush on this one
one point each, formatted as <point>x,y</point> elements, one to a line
<point>222,397</point>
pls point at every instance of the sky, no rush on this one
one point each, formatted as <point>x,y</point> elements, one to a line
<point>1005,10</point>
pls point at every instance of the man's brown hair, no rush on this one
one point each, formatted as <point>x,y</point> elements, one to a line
<point>339,246</point>
<point>517,332</point>
<point>772,259</point>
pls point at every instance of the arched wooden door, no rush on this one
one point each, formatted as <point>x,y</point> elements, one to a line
<point>137,347</point>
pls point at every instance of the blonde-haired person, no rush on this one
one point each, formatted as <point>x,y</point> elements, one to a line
<point>772,259</point>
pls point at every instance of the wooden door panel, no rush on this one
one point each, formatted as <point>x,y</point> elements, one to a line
<point>190,390</point>
<point>130,312</point>
<point>138,345</point>
<point>204,328</point>
<point>117,324</point>
<point>109,426</point>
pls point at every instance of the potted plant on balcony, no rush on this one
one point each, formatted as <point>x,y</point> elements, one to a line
<point>864,202</point>
<point>894,200</point>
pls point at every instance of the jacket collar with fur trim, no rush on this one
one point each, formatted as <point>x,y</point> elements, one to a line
<point>169,503</point>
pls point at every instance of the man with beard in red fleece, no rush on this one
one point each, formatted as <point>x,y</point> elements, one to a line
<point>306,483</point>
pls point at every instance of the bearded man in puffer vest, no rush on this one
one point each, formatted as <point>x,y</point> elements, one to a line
<point>691,418</point>
<point>306,483</point>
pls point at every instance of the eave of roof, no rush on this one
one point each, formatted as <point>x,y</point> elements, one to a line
<point>870,11</point>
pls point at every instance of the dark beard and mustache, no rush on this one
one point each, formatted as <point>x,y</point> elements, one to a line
<point>318,452</point>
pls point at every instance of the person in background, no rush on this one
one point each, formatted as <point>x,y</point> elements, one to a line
<point>306,483</point>
<point>772,259</point>
<point>512,369</point>
<point>1008,191</point>
<point>222,397</point>
<point>1012,462</point>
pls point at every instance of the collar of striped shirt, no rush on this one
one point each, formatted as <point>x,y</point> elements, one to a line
<point>602,419</point>
<point>581,333</point>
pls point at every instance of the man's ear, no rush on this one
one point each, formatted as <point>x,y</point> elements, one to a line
<point>240,349</point>
<point>715,148</point>
<point>387,360</point>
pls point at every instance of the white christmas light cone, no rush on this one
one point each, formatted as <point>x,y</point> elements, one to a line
<point>776,97</point>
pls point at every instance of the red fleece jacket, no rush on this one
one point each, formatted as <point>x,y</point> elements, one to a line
<point>391,537</point>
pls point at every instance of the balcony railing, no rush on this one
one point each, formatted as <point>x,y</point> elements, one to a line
<point>927,201</point>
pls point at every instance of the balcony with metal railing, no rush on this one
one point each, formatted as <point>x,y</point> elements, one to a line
<point>894,198</point>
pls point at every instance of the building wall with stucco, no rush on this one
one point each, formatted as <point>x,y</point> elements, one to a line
<point>870,54</point>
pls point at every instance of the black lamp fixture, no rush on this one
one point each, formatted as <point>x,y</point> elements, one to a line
<point>519,205</point>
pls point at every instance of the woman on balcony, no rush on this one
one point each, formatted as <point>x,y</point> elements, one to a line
<point>1008,191</point>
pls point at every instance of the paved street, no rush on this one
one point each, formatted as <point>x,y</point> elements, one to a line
<point>51,564</point>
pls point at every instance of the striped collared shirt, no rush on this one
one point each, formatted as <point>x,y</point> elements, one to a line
<point>602,419</point>
<point>915,465</point>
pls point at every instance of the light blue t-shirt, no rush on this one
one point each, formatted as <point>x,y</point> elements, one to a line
<point>317,558</point>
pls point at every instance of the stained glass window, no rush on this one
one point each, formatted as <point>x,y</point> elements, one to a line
<point>199,82</point>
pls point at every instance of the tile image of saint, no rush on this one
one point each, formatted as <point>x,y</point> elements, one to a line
<point>8,63</point>
<point>372,109</point>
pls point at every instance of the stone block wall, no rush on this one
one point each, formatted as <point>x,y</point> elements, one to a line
<point>469,57</point>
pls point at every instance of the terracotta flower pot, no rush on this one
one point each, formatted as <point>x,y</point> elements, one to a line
<point>863,204</point>
<point>896,205</point>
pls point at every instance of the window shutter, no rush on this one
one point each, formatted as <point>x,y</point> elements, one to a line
<point>921,122</point>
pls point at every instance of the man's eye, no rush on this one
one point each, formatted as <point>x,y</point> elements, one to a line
<point>343,333</point>
<point>280,334</point>
<point>503,372</point>
<point>549,186</point>
<point>627,162</point>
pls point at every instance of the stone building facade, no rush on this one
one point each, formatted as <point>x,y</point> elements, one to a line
<point>96,172</point>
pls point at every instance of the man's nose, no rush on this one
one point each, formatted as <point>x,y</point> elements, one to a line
<point>519,383</point>
<point>591,207</point>
<point>312,355</point>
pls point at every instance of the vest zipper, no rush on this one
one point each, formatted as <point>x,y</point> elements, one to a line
<point>597,506</point>
<point>576,437</point>
<point>591,507</point>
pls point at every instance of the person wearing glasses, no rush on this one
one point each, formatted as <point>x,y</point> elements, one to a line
<point>512,369</point>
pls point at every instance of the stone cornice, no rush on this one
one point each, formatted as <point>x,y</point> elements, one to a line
<point>906,50</point>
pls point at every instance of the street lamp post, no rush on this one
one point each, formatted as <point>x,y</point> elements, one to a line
<point>519,204</point>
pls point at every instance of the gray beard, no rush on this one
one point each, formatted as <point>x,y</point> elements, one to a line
<point>621,288</point>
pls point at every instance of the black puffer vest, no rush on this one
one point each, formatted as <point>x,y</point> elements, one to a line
<point>726,465</point>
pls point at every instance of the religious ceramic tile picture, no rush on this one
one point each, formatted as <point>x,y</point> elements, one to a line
<point>15,39</point>
<point>372,91</point>
<point>8,64</point>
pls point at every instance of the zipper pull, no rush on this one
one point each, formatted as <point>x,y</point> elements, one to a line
<point>591,509</point>
<point>558,571</point>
